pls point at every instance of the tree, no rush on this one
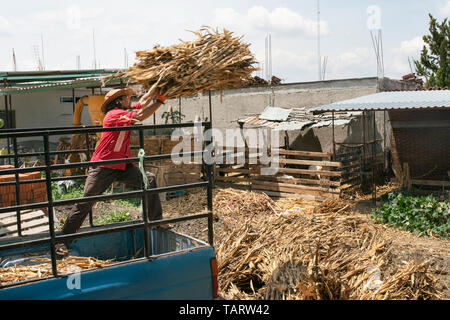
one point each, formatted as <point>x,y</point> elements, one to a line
<point>434,63</point>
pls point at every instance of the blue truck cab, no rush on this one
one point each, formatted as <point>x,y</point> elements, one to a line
<point>179,267</point>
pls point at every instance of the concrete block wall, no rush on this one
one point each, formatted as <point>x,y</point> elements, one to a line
<point>230,105</point>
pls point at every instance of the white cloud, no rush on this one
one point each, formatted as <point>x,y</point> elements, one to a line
<point>396,59</point>
<point>358,62</point>
<point>281,21</point>
<point>5,27</point>
<point>445,10</point>
<point>413,46</point>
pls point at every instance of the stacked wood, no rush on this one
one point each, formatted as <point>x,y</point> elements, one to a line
<point>253,81</point>
<point>411,77</point>
<point>275,80</point>
<point>257,81</point>
<point>214,61</point>
<point>327,252</point>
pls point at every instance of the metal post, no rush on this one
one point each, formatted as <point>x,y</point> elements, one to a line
<point>384,141</point>
<point>210,109</point>
<point>374,158</point>
<point>364,141</point>
<point>144,204</point>
<point>73,100</point>
<point>209,193</point>
<point>334,142</point>
<point>179,108</point>
<point>8,142</point>
<point>88,156</point>
<point>16,165</point>
<point>50,203</point>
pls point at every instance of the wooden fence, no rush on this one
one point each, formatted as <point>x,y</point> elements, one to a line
<point>309,175</point>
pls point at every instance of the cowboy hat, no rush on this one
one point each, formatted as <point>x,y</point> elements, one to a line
<point>114,94</point>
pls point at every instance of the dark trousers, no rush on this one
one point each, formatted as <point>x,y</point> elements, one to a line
<point>98,180</point>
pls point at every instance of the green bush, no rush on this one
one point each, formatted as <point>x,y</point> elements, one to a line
<point>113,217</point>
<point>419,215</point>
<point>73,192</point>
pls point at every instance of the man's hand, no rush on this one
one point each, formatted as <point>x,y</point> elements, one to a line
<point>146,109</point>
<point>147,98</point>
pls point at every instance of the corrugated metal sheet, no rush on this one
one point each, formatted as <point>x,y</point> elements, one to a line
<point>292,125</point>
<point>299,119</point>
<point>39,86</point>
<point>34,81</point>
<point>275,114</point>
<point>392,101</point>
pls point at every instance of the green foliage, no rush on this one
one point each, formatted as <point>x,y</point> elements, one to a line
<point>73,192</point>
<point>174,116</point>
<point>434,63</point>
<point>415,214</point>
<point>128,203</point>
<point>113,217</point>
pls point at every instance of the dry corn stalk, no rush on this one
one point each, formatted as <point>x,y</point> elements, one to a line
<point>324,253</point>
<point>214,61</point>
<point>67,265</point>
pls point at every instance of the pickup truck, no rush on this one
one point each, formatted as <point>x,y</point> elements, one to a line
<point>147,263</point>
<point>179,267</point>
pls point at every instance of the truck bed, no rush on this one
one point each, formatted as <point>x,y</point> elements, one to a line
<point>178,268</point>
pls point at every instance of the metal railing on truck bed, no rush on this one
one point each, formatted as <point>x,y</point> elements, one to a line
<point>144,224</point>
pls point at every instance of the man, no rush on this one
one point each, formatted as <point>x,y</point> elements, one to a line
<point>116,145</point>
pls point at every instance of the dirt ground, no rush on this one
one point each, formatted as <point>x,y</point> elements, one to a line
<point>406,246</point>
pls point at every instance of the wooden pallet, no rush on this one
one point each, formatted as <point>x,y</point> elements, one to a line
<point>32,222</point>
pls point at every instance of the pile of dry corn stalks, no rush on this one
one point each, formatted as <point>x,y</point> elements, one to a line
<point>322,252</point>
<point>69,264</point>
<point>214,61</point>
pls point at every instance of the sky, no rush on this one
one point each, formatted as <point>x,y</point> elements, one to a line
<point>57,31</point>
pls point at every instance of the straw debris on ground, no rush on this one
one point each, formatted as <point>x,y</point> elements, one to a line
<point>317,252</point>
<point>214,61</point>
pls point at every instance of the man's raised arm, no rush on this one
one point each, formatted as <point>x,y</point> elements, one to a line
<point>148,109</point>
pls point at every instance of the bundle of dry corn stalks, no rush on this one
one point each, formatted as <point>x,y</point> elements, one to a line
<point>325,253</point>
<point>214,61</point>
<point>69,264</point>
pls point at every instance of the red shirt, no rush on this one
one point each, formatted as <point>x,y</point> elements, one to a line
<point>115,145</point>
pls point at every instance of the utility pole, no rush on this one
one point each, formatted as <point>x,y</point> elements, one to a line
<point>268,62</point>
<point>42,47</point>
<point>318,40</point>
<point>125,57</point>
<point>93,42</point>
<point>14,61</point>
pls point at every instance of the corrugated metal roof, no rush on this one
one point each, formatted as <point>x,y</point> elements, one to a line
<point>391,101</point>
<point>299,119</point>
<point>27,82</point>
<point>275,114</point>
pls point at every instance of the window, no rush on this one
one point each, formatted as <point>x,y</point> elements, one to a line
<point>69,99</point>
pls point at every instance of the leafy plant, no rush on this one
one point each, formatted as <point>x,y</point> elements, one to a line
<point>174,116</point>
<point>421,215</point>
<point>113,217</point>
<point>128,203</point>
<point>72,192</point>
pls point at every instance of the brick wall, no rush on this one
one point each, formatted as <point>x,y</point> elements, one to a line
<point>29,193</point>
<point>424,146</point>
